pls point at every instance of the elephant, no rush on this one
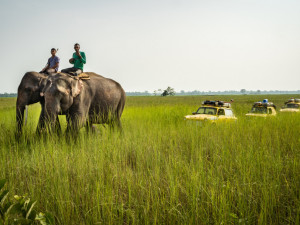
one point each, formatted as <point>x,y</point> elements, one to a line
<point>98,100</point>
<point>29,93</point>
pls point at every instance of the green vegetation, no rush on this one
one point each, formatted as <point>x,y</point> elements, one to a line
<point>21,210</point>
<point>161,170</point>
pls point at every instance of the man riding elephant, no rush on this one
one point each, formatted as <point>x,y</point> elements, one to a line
<point>78,60</point>
<point>52,63</point>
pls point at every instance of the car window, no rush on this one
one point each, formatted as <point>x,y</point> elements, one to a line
<point>211,111</point>
<point>221,112</point>
<point>259,110</point>
<point>201,110</point>
<point>292,106</point>
<point>207,110</point>
<point>270,111</point>
<point>228,112</point>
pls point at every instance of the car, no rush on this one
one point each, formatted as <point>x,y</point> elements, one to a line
<point>262,109</point>
<point>213,111</point>
<point>292,105</point>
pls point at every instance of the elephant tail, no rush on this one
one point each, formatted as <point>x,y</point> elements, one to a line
<point>121,105</point>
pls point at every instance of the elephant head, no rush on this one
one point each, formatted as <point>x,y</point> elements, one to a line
<point>28,93</point>
<point>59,93</point>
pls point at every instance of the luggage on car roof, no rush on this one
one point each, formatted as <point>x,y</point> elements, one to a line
<point>216,103</point>
<point>264,104</point>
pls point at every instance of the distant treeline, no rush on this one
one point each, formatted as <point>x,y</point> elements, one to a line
<point>242,92</point>
<point>8,95</point>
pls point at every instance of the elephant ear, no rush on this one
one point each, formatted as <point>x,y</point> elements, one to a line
<point>76,87</point>
<point>63,89</point>
<point>42,83</point>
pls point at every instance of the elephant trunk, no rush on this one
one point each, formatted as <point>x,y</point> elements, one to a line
<point>20,117</point>
<point>52,110</point>
<point>20,107</point>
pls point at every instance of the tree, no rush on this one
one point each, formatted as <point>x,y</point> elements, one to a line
<point>243,91</point>
<point>168,91</point>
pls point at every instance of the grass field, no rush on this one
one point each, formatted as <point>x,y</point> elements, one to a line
<point>161,170</point>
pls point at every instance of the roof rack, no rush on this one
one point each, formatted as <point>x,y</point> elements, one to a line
<point>264,104</point>
<point>216,103</point>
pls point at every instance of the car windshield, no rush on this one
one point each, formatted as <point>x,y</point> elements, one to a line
<point>292,106</point>
<point>207,110</point>
<point>262,110</point>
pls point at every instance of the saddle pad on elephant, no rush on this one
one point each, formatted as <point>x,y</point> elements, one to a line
<point>84,76</point>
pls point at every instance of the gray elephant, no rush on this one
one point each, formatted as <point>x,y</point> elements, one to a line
<point>98,100</point>
<point>29,93</point>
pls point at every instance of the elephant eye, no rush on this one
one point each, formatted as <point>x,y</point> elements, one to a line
<point>62,94</point>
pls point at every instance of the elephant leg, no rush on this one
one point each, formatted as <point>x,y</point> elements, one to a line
<point>41,124</point>
<point>116,124</point>
<point>75,122</point>
<point>68,118</point>
<point>73,126</point>
<point>89,124</point>
<point>119,125</point>
<point>74,129</point>
<point>68,130</point>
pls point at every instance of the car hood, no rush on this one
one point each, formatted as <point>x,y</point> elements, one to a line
<point>201,117</point>
<point>289,110</point>
<point>258,115</point>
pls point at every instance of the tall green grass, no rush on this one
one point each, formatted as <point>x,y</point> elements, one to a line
<point>161,169</point>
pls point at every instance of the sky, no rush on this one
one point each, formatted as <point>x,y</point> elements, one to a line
<point>200,45</point>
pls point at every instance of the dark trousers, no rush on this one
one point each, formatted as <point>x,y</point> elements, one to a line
<point>73,71</point>
<point>49,71</point>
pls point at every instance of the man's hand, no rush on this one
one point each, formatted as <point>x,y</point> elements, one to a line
<point>78,53</point>
<point>55,66</point>
<point>71,60</point>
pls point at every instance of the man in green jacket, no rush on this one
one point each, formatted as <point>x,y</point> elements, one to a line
<point>78,60</point>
